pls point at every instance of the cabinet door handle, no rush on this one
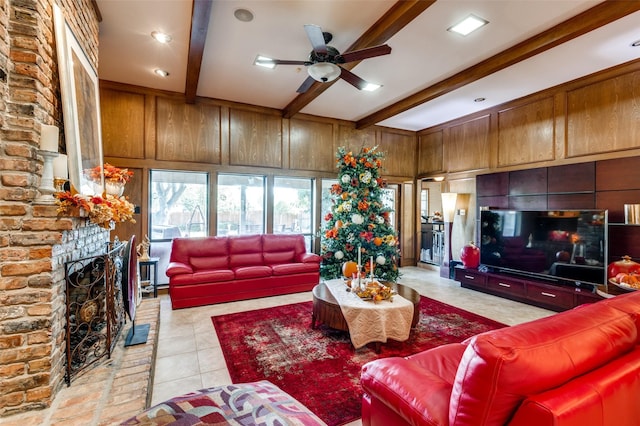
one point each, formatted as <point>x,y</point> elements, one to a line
<point>470,277</point>
<point>544,293</point>
<point>504,285</point>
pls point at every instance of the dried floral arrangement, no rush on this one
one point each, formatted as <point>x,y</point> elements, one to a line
<point>101,210</point>
<point>111,173</point>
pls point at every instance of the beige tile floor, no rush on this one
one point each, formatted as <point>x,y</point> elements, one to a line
<point>189,355</point>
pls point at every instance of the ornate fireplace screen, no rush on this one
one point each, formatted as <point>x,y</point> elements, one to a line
<point>95,308</point>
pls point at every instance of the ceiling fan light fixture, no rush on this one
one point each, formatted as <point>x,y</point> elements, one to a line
<point>161,37</point>
<point>324,72</point>
<point>371,87</point>
<point>468,25</point>
<point>263,61</point>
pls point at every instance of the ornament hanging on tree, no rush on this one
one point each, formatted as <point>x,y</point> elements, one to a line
<point>359,223</point>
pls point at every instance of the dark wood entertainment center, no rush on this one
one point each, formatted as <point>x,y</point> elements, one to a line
<point>604,184</point>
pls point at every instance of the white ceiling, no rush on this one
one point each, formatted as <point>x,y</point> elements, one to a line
<point>423,52</point>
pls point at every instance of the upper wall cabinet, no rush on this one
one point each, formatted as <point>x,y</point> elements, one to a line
<point>353,139</point>
<point>187,132</point>
<point>526,133</point>
<point>122,117</point>
<point>400,154</point>
<point>601,116</point>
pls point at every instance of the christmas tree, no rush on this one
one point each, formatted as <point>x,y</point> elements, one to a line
<point>358,226</point>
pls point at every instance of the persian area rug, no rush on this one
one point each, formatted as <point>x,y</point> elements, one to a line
<point>319,367</point>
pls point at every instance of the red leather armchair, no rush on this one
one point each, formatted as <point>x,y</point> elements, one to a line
<point>575,368</point>
<point>210,270</point>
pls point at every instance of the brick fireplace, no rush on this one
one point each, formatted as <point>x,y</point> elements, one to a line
<point>34,242</point>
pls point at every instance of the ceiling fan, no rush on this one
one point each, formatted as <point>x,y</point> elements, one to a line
<point>324,60</point>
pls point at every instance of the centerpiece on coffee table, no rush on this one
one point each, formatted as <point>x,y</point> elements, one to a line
<point>375,290</point>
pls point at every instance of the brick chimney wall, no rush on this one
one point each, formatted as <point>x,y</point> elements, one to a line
<point>34,241</point>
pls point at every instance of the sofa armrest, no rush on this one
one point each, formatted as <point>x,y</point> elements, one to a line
<point>309,258</point>
<point>176,268</point>
<point>415,394</point>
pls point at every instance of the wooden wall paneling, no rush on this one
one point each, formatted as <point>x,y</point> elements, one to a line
<point>134,193</point>
<point>122,120</point>
<point>353,139</point>
<point>406,226</point>
<point>571,201</point>
<point>618,174</point>
<point>614,201</point>
<point>467,145</point>
<point>400,153</point>
<point>430,158</point>
<point>598,116</point>
<point>528,202</point>
<point>255,139</point>
<point>529,181</point>
<point>526,133</point>
<point>310,144</point>
<point>496,201</point>
<point>624,241</point>
<point>492,184</point>
<point>579,177</point>
<point>187,132</point>
<point>150,127</point>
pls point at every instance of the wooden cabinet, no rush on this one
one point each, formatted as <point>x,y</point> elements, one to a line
<point>432,243</point>
<point>524,289</point>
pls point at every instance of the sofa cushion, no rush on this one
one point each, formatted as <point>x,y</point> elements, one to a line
<point>294,268</point>
<point>245,250</point>
<point>501,368</point>
<point>212,276</point>
<point>247,272</point>
<point>279,257</point>
<point>209,262</point>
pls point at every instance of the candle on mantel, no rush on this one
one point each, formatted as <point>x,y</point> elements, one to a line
<point>49,138</point>
<point>60,167</point>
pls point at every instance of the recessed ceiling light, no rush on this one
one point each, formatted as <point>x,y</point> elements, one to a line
<point>161,73</point>
<point>263,61</point>
<point>161,37</point>
<point>479,99</point>
<point>243,15</point>
<point>370,87</point>
<point>468,25</point>
<point>635,43</point>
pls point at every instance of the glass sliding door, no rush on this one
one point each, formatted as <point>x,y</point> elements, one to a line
<point>241,204</point>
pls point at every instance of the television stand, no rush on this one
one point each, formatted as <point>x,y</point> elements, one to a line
<point>556,297</point>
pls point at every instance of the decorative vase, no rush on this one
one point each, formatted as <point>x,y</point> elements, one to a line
<point>114,188</point>
<point>470,255</point>
<point>626,265</point>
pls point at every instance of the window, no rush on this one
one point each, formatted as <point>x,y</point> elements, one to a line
<point>179,205</point>
<point>241,204</point>
<point>293,207</point>
<point>390,200</point>
<point>178,202</point>
<point>326,202</point>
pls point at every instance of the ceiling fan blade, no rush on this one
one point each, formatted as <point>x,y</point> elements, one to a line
<point>370,52</point>
<point>287,62</point>
<point>316,38</point>
<point>352,79</point>
<point>305,85</point>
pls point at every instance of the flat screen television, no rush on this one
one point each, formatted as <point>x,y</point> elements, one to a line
<point>563,246</point>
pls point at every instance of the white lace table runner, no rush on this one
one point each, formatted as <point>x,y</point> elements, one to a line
<point>372,322</point>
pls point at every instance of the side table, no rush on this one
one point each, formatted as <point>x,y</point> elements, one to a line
<point>145,267</point>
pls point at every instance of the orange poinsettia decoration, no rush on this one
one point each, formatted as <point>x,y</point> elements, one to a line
<point>111,173</point>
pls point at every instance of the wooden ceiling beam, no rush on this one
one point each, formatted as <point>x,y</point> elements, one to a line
<point>199,27</point>
<point>396,18</point>
<point>589,20</point>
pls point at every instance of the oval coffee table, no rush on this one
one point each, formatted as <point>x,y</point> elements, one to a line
<point>326,309</point>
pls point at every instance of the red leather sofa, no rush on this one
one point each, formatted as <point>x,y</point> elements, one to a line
<point>576,368</point>
<point>210,270</point>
